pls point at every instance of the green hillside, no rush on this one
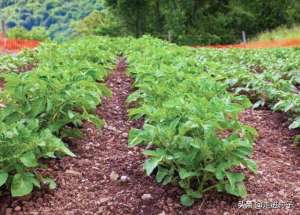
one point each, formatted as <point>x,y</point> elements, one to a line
<point>56,16</point>
<point>191,22</point>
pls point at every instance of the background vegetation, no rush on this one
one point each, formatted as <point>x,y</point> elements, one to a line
<point>54,16</point>
<point>204,22</point>
<point>282,32</point>
<point>185,22</point>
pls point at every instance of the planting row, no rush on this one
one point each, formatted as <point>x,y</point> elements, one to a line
<point>17,63</point>
<point>47,104</point>
<point>269,77</point>
<point>189,98</point>
<point>191,122</point>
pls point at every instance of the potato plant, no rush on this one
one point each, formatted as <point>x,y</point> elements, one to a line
<point>269,77</point>
<point>191,123</point>
<point>22,144</point>
<point>190,100</point>
<point>47,104</point>
<point>17,62</point>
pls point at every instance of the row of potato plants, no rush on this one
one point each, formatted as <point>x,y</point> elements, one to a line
<point>17,62</point>
<point>190,100</point>
<point>47,104</point>
<point>192,131</point>
<point>269,77</point>
<point>180,91</point>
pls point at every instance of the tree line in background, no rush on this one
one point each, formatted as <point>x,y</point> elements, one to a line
<point>183,21</point>
<point>204,21</point>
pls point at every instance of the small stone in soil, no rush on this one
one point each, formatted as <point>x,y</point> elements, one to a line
<point>18,208</point>
<point>146,196</point>
<point>124,178</point>
<point>89,129</point>
<point>111,128</point>
<point>130,153</point>
<point>114,176</point>
<point>281,192</point>
<point>73,172</point>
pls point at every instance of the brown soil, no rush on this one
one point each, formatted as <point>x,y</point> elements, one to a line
<point>91,183</point>
<point>257,69</point>
<point>23,68</point>
<point>2,82</point>
<point>26,68</point>
<point>297,86</point>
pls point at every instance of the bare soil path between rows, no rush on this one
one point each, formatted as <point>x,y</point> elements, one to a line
<point>107,177</point>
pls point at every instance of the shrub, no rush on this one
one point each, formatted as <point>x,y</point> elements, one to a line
<point>37,33</point>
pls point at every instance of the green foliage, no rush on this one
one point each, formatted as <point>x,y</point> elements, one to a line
<point>53,15</point>
<point>11,63</point>
<point>279,33</point>
<point>189,98</point>
<point>89,25</point>
<point>99,23</point>
<point>191,118</point>
<point>269,77</point>
<point>203,22</point>
<point>190,22</point>
<point>48,103</point>
<point>191,122</point>
<point>38,33</point>
<point>22,144</point>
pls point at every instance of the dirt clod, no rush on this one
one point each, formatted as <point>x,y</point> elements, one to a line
<point>114,176</point>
